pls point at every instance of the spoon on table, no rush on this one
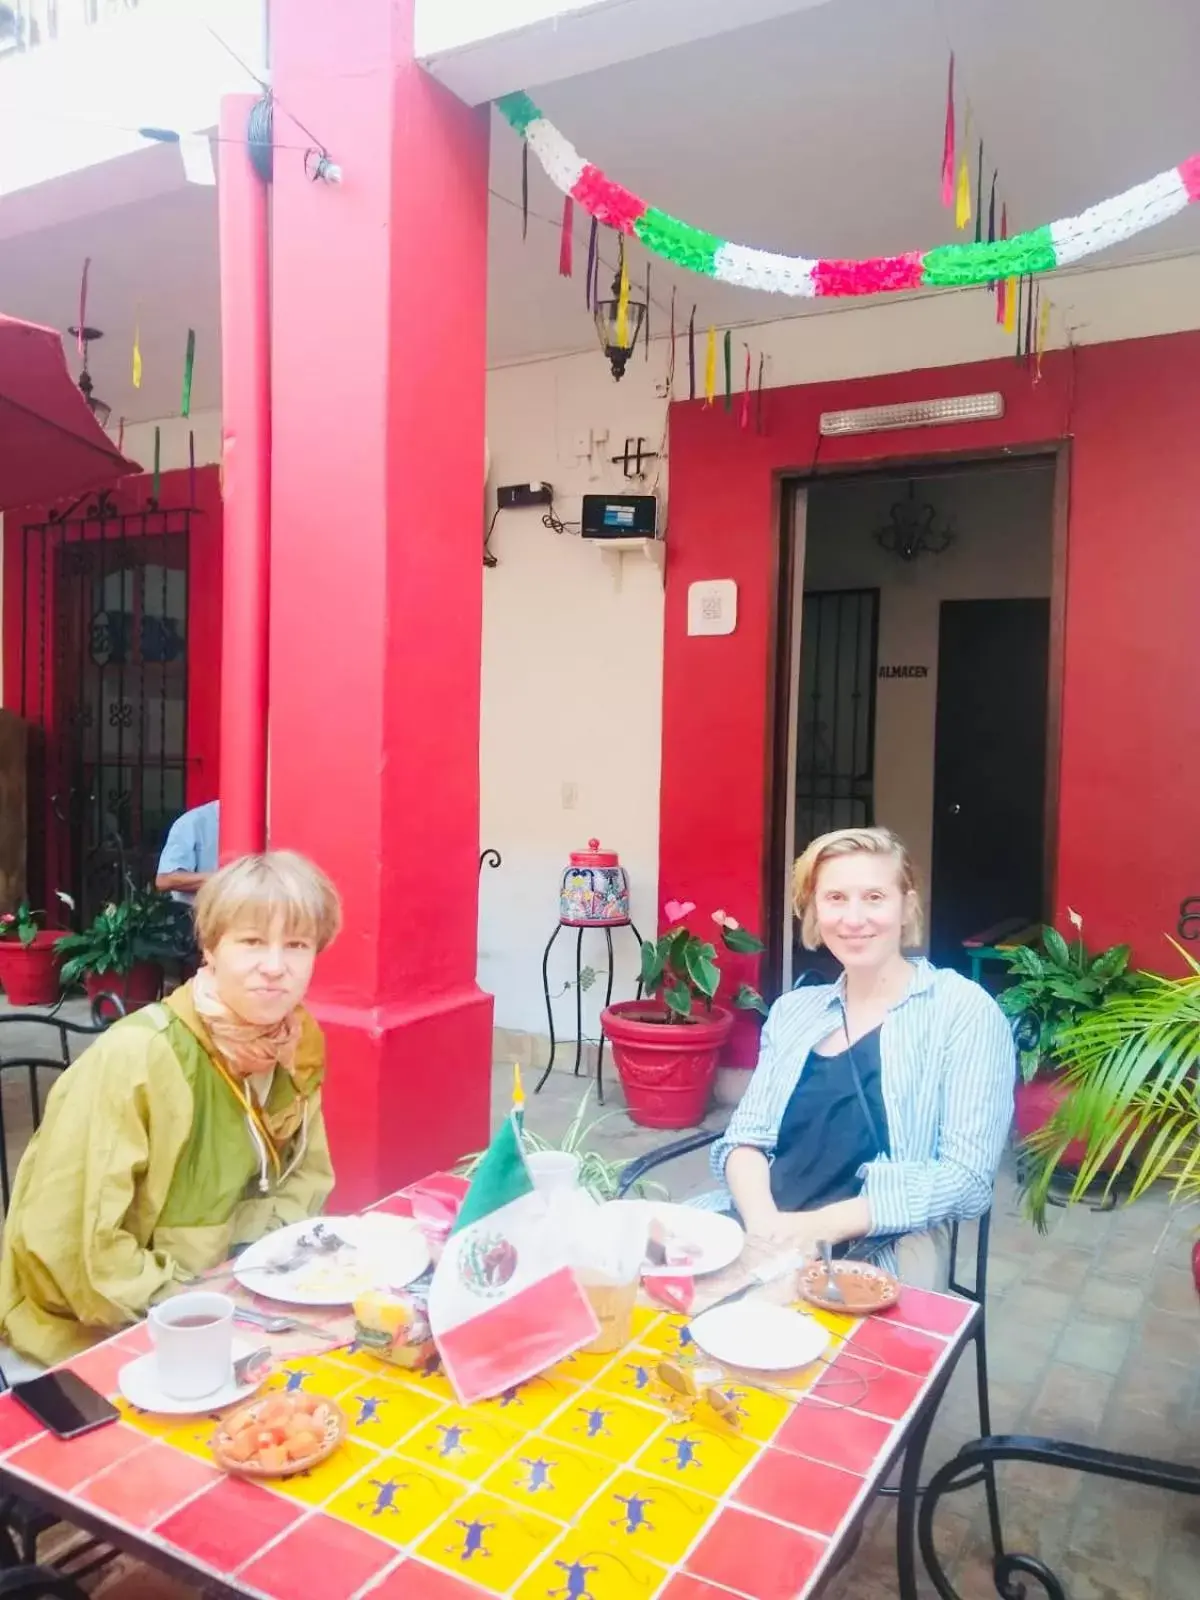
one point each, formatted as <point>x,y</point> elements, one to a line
<point>269,1322</point>
<point>253,1367</point>
<point>831,1289</point>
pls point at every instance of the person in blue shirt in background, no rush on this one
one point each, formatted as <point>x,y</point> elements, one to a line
<point>189,856</point>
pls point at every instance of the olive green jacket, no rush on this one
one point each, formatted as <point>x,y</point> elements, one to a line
<point>150,1165</point>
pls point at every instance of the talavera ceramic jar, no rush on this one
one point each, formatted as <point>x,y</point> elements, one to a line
<point>595,890</point>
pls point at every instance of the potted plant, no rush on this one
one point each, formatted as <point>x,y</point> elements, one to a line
<point>28,959</point>
<point>1131,1100</point>
<point>123,950</point>
<point>1057,984</point>
<point>666,1045</point>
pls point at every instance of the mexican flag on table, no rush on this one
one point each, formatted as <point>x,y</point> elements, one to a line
<point>504,1305</point>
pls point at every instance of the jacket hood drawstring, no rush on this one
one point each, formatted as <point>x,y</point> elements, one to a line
<point>260,1144</point>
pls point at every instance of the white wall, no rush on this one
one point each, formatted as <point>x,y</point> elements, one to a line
<point>1002,520</point>
<point>572,666</point>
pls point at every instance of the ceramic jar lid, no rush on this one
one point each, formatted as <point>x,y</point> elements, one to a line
<point>594,856</point>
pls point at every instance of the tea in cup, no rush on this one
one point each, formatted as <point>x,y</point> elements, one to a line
<point>192,1335</point>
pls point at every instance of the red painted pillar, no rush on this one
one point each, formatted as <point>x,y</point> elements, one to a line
<point>246,463</point>
<point>378,373</point>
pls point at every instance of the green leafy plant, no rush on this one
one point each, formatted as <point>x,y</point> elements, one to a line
<point>1058,984</point>
<point>682,967</point>
<point>1132,1094</point>
<point>22,924</point>
<point>142,927</point>
<point>598,1175</point>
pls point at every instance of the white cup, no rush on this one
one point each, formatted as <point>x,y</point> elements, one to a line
<point>554,1172</point>
<point>192,1336</point>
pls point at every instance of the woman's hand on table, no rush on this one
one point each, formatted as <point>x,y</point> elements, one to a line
<point>795,1231</point>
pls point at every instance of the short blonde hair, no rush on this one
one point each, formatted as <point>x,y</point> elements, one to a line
<point>260,890</point>
<point>849,842</point>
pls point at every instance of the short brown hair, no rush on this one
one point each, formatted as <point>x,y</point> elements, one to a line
<point>263,888</point>
<point>848,842</point>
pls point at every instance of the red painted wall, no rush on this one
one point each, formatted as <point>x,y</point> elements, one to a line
<point>1128,841</point>
<point>204,614</point>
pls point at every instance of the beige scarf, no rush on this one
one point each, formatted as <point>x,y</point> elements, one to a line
<point>247,1048</point>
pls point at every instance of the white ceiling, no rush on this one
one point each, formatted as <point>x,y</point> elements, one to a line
<point>818,133</point>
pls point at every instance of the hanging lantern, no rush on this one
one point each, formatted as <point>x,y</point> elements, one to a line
<point>618,341</point>
<point>101,410</point>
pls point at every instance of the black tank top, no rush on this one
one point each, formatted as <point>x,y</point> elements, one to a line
<point>824,1137</point>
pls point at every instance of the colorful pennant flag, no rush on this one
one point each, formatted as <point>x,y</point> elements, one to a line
<point>524,191</point>
<point>623,298</point>
<point>962,199</point>
<point>948,143</point>
<point>157,461</point>
<point>80,341</point>
<point>745,417</point>
<point>1043,328</point>
<point>671,351</point>
<point>137,356</point>
<point>593,242</point>
<point>1002,283</point>
<point>191,469</point>
<point>710,368</point>
<point>646,323</point>
<point>566,243</point>
<point>979,198</point>
<point>189,364</point>
<point>504,1304</point>
<point>728,370</point>
<point>692,355</point>
<point>758,404</point>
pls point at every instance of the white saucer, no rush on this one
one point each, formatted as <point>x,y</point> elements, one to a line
<point>138,1382</point>
<point>761,1338</point>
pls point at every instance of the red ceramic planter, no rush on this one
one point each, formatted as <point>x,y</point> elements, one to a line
<point>667,1068</point>
<point>137,987</point>
<point>29,972</point>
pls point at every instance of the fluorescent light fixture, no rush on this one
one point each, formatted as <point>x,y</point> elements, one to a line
<point>913,414</point>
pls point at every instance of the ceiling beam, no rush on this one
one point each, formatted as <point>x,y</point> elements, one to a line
<point>482,51</point>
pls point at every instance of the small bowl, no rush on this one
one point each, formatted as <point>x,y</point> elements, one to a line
<point>335,1432</point>
<point>866,1288</point>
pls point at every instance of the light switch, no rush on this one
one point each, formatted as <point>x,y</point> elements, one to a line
<point>712,607</point>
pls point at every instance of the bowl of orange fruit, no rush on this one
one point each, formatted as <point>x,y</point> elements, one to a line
<point>278,1435</point>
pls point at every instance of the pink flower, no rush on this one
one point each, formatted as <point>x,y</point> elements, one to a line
<point>677,910</point>
<point>727,922</point>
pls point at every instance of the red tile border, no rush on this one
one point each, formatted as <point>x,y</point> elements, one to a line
<point>804,1494</point>
<point>684,1587</point>
<point>321,1559</point>
<point>413,1580</point>
<point>932,1313</point>
<point>100,1366</point>
<point>754,1557</point>
<point>896,1346</point>
<point>833,1434</point>
<point>136,1340</point>
<point>230,1524</point>
<point>145,1488</point>
<point>66,1463</point>
<point>17,1426</point>
<point>865,1385</point>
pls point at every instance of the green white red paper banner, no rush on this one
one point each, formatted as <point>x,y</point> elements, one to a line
<point>1058,244</point>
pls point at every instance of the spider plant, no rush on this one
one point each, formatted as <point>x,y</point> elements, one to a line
<point>599,1176</point>
<point>1133,1098</point>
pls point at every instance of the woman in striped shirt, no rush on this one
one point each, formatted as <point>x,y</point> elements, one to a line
<point>881,1103</point>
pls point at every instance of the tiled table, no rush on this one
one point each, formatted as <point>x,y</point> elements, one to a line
<point>577,1486</point>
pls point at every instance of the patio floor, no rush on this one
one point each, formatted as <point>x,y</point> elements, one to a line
<point>1094,1336</point>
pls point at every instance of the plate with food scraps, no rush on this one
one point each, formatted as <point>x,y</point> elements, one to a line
<point>865,1287</point>
<point>684,1242</point>
<point>278,1435</point>
<point>330,1261</point>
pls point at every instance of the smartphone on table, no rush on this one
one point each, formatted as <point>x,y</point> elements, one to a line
<point>65,1404</point>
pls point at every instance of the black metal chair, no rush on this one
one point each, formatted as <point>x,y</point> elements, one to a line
<point>105,1010</point>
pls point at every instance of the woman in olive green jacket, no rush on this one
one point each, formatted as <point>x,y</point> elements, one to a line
<point>190,1128</point>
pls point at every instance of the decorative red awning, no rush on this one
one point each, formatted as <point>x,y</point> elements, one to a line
<point>51,446</point>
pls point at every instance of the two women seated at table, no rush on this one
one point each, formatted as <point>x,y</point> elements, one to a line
<point>881,1103</point>
<point>190,1128</point>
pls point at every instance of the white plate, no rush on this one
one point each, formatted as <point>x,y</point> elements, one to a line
<point>380,1252</point>
<point>760,1337</point>
<point>718,1239</point>
<point>138,1382</point>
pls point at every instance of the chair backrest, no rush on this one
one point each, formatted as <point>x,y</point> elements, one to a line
<point>25,1057</point>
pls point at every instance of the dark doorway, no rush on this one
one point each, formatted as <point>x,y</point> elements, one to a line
<point>989,795</point>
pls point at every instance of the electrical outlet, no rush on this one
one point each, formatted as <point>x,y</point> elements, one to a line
<point>570,796</point>
<point>515,496</point>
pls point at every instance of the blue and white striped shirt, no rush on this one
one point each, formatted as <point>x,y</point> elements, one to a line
<point>948,1066</point>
